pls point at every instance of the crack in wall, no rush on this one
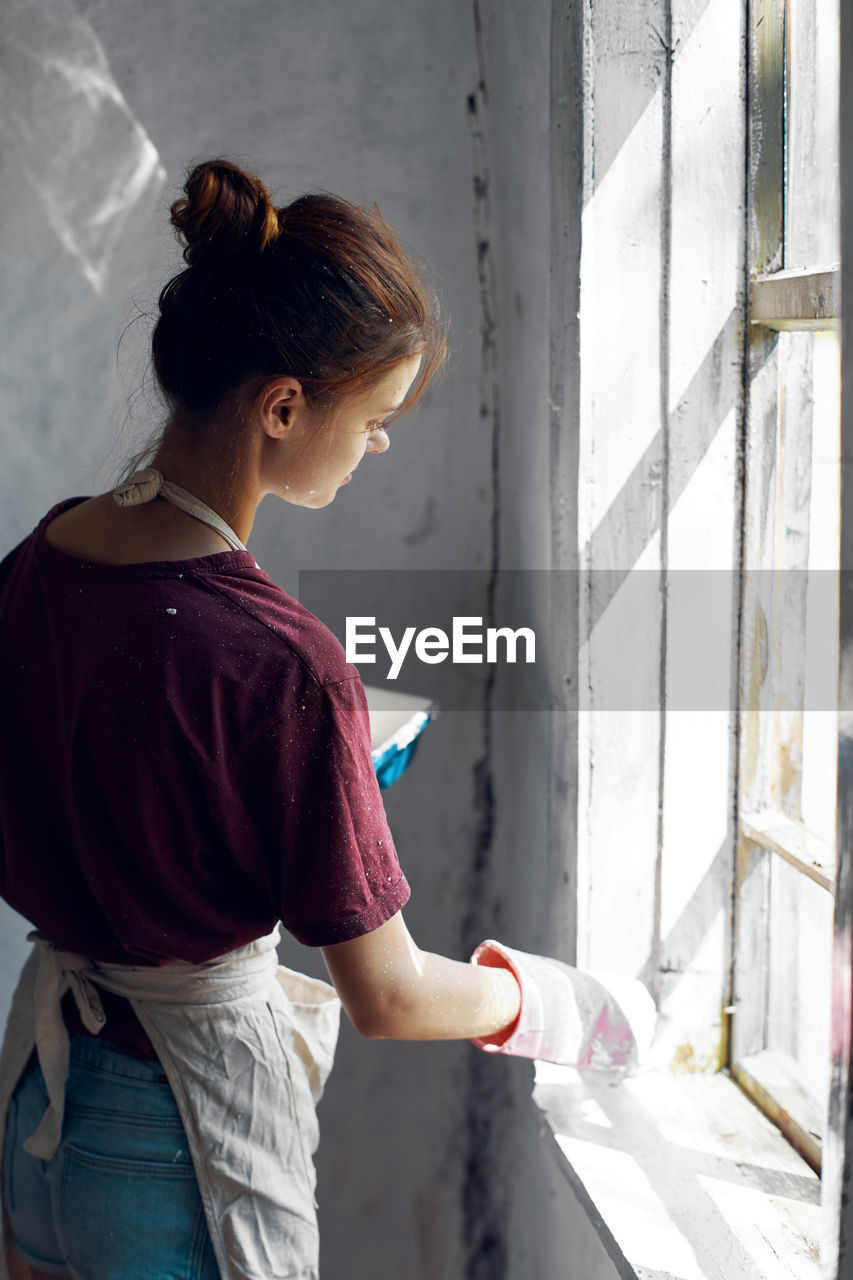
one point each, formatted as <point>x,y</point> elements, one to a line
<point>477,906</point>
<point>485,1198</point>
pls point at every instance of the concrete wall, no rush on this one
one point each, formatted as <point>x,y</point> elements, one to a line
<point>431,1164</point>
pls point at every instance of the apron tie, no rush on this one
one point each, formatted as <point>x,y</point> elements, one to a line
<point>57,971</point>
<point>143,486</point>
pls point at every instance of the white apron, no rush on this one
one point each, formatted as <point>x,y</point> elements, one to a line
<point>246,1046</point>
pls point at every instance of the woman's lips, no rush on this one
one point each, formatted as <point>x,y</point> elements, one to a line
<point>347,479</point>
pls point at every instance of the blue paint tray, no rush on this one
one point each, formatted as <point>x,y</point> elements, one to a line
<point>397,721</point>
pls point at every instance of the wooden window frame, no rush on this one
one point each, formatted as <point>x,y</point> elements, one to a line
<point>780,299</point>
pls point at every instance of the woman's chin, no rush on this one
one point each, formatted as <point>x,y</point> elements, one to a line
<point>314,498</point>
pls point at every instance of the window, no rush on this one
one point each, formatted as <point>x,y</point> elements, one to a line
<point>708,516</point>
<point>789,654</point>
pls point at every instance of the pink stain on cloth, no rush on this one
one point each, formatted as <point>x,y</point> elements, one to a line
<point>571,1016</point>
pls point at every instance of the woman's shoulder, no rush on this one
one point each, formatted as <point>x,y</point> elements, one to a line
<point>282,626</point>
<point>215,605</point>
<point>283,664</point>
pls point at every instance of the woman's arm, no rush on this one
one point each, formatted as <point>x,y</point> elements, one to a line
<point>391,990</point>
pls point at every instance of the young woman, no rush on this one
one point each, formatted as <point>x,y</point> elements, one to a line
<point>185,763</point>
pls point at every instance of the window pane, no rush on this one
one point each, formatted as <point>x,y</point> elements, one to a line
<point>799,986</point>
<point>820,722</point>
<point>812,187</point>
<point>800,600</point>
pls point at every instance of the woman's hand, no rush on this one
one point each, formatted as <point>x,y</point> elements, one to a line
<point>506,1001</point>
<point>571,1016</point>
<point>391,990</point>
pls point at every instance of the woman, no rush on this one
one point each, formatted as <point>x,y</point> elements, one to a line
<point>185,762</point>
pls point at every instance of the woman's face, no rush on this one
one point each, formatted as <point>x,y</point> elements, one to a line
<point>323,451</point>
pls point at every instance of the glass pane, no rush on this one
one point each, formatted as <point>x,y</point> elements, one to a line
<point>812,187</point>
<point>799,985</point>
<point>800,692</point>
<point>820,721</point>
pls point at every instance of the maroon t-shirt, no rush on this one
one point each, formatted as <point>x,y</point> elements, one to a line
<point>184,760</point>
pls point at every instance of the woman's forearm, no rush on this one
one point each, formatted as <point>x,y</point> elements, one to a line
<point>391,990</point>
<point>449,1001</point>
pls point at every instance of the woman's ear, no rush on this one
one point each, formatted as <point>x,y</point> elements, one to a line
<point>281,404</point>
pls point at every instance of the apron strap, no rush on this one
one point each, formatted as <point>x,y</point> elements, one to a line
<point>57,971</point>
<point>149,483</point>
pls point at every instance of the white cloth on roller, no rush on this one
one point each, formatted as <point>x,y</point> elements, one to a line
<point>143,486</point>
<point>246,1046</point>
<point>571,1016</point>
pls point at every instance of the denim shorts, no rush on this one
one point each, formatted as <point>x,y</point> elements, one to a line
<point>119,1200</point>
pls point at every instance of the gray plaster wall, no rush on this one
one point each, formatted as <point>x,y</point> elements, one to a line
<point>431,1164</point>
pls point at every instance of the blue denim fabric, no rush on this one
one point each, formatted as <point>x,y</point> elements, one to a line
<point>119,1200</point>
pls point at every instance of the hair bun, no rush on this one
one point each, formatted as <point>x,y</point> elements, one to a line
<point>224,212</point>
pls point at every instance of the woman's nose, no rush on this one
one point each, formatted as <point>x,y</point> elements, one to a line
<point>377,441</point>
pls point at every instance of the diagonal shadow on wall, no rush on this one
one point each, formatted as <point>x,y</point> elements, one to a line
<point>628,54</point>
<point>634,516</point>
<point>681,945</point>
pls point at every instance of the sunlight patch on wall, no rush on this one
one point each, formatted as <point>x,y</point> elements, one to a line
<point>67,122</point>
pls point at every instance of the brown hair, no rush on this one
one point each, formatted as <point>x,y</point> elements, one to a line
<point>319,289</point>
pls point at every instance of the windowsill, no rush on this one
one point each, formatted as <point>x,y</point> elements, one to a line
<point>682,1176</point>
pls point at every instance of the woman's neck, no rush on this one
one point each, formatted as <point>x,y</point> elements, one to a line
<point>221,475</point>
